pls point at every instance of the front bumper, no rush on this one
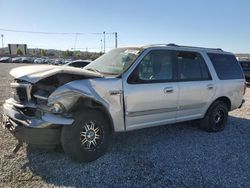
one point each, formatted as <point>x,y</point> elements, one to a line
<point>45,130</point>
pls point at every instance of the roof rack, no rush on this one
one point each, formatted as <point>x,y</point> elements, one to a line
<point>175,45</point>
<point>172,44</point>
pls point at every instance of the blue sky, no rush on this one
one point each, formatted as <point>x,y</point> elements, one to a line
<point>213,23</point>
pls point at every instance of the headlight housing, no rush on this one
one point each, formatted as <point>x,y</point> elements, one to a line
<point>57,108</point>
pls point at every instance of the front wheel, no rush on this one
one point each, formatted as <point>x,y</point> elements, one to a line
<point>87,139</point>
<point>215,119</point>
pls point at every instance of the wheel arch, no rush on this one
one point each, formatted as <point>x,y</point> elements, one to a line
<point>224,99</point>
<point>83,104</point>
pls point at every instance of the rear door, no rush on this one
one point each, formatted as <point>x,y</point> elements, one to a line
<point>196,87</point>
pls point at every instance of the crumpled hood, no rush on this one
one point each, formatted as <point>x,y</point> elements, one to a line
<point>35,73</point>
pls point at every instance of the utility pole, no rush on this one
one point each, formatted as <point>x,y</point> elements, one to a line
<point>76,36</point>
<point>104,45</point>
<point>115,39</point>
<point>2,39</point>
<point>101,45</point>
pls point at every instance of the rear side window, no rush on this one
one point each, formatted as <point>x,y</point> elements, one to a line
<point>191,67</point>
<point>226,66</point>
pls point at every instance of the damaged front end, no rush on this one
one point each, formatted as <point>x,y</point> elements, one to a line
<point>30,116</point>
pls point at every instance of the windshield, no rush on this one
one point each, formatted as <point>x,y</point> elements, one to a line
<point>115,62</point>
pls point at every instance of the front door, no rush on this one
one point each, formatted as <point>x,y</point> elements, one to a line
<point>151,91</point>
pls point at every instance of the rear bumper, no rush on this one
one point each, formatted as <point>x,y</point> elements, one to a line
<point>243,101</point>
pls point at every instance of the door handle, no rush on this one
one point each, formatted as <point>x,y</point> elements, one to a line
<point>168,90</point>
<point>210,86</point>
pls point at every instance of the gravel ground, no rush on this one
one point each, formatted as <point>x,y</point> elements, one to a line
<point>177,155</point>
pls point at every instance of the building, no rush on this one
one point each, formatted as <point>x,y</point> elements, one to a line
<point>14,49</point>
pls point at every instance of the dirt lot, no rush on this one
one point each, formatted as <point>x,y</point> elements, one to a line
<point>168,156</point>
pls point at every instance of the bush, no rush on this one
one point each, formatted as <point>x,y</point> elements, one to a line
<point>43,52</point>
<point>19,51</point>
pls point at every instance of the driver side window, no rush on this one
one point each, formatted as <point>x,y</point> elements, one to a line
<point>156,66</point>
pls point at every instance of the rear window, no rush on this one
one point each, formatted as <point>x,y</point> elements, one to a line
<point>226,66</point>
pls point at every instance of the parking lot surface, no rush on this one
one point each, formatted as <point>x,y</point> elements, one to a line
<point>179,155</point>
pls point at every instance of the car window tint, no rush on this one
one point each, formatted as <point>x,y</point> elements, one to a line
<point>189,66</point>
<point>157,66</point>
<point>226,66</point>
<point>79,64</point>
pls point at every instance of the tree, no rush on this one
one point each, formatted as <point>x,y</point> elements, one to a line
<point>43,52</point>
<point>33,52</point>
<point>77,54</point>
<point>19,51</point>
<point>67,53</point>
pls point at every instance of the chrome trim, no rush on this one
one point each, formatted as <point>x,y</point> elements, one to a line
<point>20,105</point>
<point>40,97</point>
<point>14,84</point>
<point>57,119</point>
<point>163,110</point>
<point>19,117</point>
<point>23,85</point>
<point>46,120</point>
<point>193,106</point>
<point>150,112</point>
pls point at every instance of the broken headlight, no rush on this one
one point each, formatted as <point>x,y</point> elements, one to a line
<point>57,108</point>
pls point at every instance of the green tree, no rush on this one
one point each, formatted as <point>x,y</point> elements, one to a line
<point>19,51</point>
<point>68,53</point>
<point>43,52</point>
<point>33,52</point>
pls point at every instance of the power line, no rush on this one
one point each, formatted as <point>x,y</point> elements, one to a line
<point>76,34</point>
<point>38,32</point>
<point>53,33</point>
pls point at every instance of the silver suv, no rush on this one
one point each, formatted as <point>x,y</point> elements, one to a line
<point>125,89</point>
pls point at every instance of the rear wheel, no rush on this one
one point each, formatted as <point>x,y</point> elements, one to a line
<point>87,139</point>
<point>215,119</point>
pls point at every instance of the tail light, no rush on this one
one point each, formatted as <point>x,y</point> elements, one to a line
<point>245,87</point>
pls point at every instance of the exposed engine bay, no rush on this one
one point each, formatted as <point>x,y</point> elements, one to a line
<point>46,86</point>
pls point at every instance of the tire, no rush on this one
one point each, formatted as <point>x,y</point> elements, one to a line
<point>216,117</point>
<point>88,138</point>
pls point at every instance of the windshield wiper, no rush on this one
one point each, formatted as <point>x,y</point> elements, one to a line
<point>102,73</point>
<point>94,70</point>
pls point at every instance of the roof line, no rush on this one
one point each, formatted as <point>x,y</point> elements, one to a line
<point>175,45</point>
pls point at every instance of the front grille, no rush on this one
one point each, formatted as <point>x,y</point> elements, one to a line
<point>21,92</point>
